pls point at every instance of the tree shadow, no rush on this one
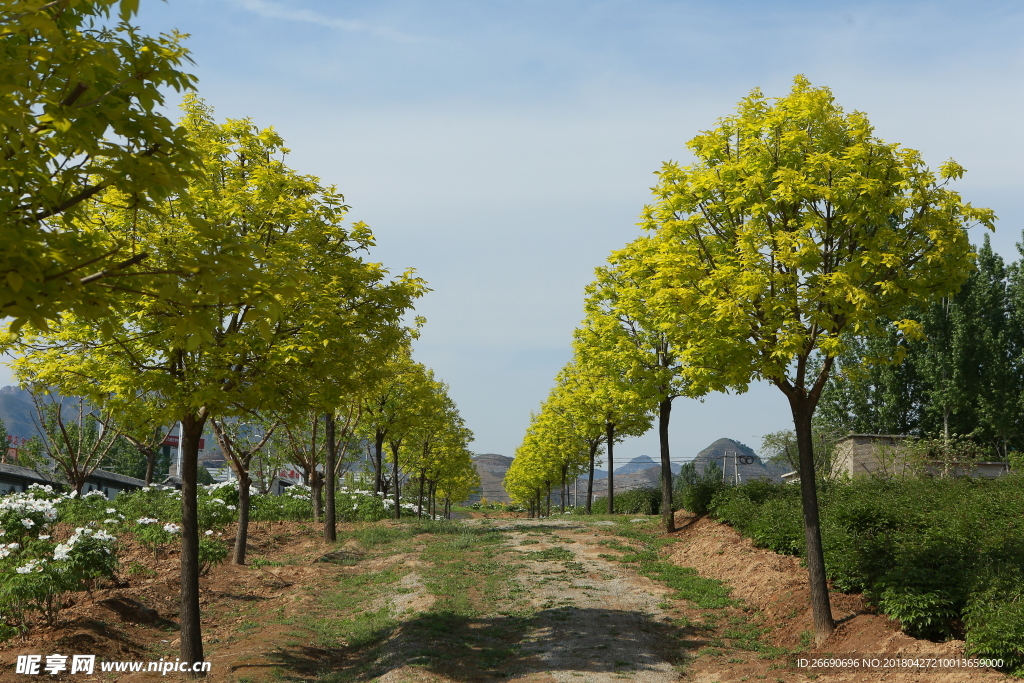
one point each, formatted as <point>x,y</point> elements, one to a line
<point>474,649</point>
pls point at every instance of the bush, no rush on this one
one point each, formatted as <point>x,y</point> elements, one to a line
<point>645,501</point>
<point>694,491</point>
<point>355,505</point>
<point>940,555</point>
<point>35,569</point>
<point>295,504</point>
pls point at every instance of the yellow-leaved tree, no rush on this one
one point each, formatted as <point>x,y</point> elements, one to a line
<point>298,299</point>
<point>80,97</point>
<point>795,227</point>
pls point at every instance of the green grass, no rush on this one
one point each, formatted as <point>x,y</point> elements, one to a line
<point>556,554</point>
<point>744,630</point>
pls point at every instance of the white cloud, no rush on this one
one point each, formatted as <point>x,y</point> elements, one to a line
<point>272,10</point>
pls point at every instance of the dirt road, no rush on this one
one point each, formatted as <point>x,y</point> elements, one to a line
<point>563,599</point>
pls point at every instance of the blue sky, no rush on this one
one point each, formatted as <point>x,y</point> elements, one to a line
<point>503,149</point>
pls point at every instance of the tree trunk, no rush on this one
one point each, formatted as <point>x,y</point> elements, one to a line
<point>378,461</point>
<point>610,438</point>
<point>191,629</point>
<point>330,516</point>
<point>821,607</point>
<point>667,514</point>
<point>563,489</point>
<point>394,469</point>
<point>242,534</point>
<point>549,500</point>
<point>150,465</point>
<point>316,483</point>
<point>419,501</point>
<point>590,479</point>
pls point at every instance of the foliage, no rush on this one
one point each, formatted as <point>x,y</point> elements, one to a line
<point>295,503</point>
<point>642,501</point>
<point>212,551</point>
<point>694,490</point>
<point>795,228</point>
<point>937,554</point>
<point>80,112</point>
<point>964,378</point>
<point>360,506</point>
<point>781,448</point>
<point>36,570</point>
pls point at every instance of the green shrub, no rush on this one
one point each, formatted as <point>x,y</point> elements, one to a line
<point>939,555</point>
<point>694,492</point>
<point>211,551</point>
<point>36,570</point>
<point>295,504</point>
<point>770,514</point>
<point>356,505</point>
<point>644,501</point>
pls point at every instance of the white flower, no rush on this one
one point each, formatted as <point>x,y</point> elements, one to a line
<point>61,552</point>
<point>231,507</point>
<point>172,528</point>
<point>209,532</point>
<point>110,521</point>
<point>27,523</point>
<point>147,520</point>
<point>14,546</point>
<point>44,537</point>
<point>111,511</point>
<point>32,565</point>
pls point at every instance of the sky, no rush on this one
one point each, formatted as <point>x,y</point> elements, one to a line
<point>504,148</point>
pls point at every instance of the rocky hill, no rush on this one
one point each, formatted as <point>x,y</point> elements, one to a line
<point>492,468</point>
<point>736,460</point>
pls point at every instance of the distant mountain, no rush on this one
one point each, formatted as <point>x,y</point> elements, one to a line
<point>736,461</point>
<point>16,410</point>
<point>637,464</point>
<point>492,468</point>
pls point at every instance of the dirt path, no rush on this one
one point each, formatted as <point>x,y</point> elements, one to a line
<point>486,600</point>
<point>596,620</point>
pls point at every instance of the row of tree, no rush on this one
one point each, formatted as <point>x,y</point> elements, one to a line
<point>167,274</point>
<point>794,238</point>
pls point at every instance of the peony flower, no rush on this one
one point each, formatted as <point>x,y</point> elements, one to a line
<point>172,528</point>
<point>27,523</point>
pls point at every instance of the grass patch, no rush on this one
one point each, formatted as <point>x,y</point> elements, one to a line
<point>556,554</point>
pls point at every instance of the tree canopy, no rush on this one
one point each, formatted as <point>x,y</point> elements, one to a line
<point>80,92</point>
